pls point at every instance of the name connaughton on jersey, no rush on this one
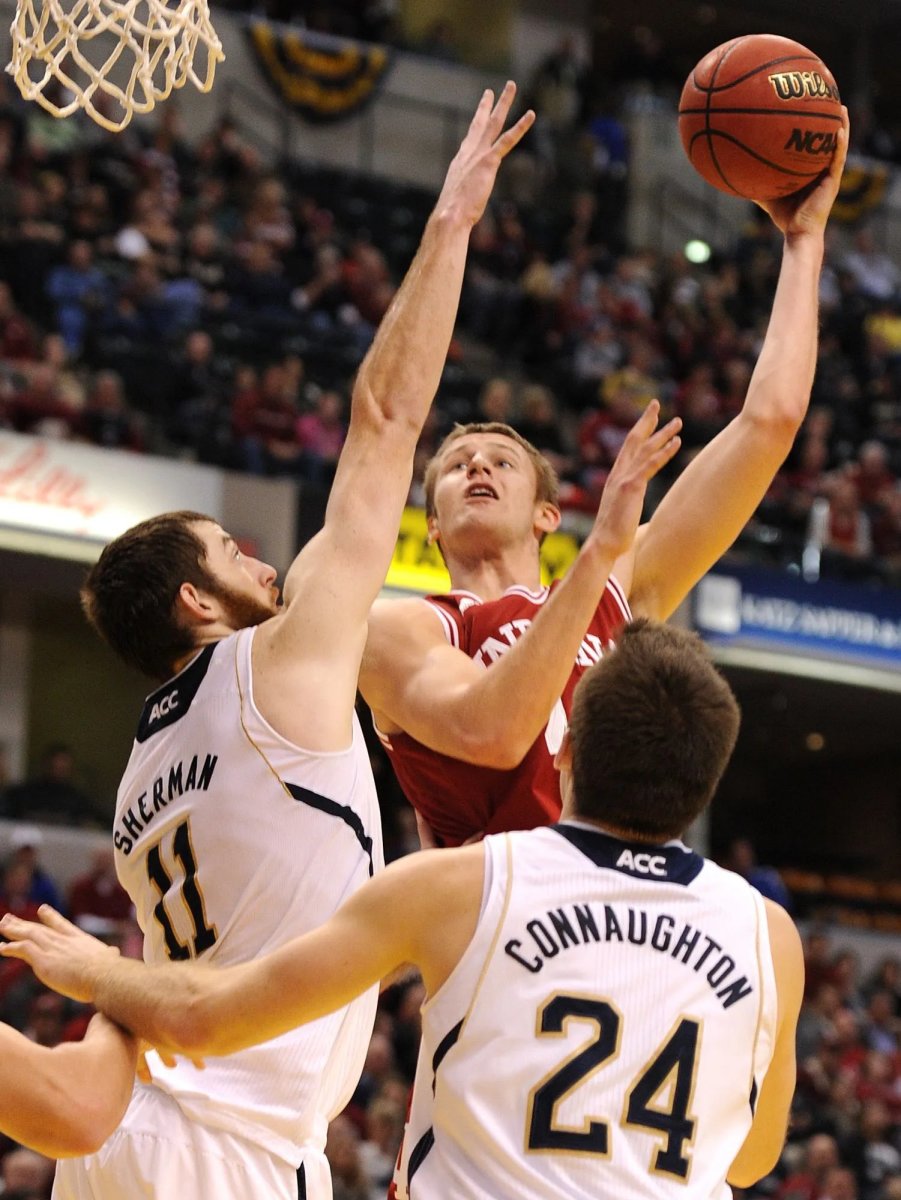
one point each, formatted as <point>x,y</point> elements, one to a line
<point>605,1033</point>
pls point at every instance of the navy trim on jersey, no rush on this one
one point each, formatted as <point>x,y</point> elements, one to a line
<point>342,811</point>
<point>420,1151</point>
<point>671,864</point>
<point>449,1040</point>
<point>170,702</point>
<point>419,1154</point>
<point>302,1182</point>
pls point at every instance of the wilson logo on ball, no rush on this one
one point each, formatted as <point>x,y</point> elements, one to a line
<point>807,142</point>
<point>798,85</point>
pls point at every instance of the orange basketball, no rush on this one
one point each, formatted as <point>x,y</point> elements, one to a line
<point>759,116</point>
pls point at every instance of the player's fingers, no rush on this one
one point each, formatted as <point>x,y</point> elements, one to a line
<point>662,436</point>
<point>514,135</point>
<point>841,150</point>
<point>14,927</point>
<point>662,456</point>
<point>645,425</point>
<point>482,112</point>
<point>142,1070</point>
<point>23,950</point>
<point>502,108</point>
<point>53,919</point>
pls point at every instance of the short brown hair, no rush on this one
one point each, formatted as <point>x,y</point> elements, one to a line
<point>129,594</point>
<point>653,725</point>
<point>547,487</point>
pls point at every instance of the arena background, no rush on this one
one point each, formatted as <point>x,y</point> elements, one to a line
<point>813,651</point>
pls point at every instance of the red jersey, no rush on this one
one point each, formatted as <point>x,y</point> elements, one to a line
<point>463,800</point>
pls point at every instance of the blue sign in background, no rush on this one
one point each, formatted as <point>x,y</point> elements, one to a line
<point>773,609</point>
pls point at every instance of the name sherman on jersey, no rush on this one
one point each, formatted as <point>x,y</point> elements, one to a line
<point>555,930</point>
<point>186,775</point>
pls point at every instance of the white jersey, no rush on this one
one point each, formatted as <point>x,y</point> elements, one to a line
<point>605,1033</point>
<point>231,841</point>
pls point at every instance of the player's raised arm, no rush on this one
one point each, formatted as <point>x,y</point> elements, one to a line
<point>340,572</point>
<point>200,1011</point>
<point>763,1145</point>
<point>415,681</point>
<point>66,1100</point>
<point>709,505</point>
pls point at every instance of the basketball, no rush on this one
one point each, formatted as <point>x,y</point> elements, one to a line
<point>759,117</point>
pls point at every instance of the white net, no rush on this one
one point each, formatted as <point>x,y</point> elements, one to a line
<point>112,58</point>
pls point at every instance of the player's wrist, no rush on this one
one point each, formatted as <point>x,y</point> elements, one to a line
<point>809,240</point>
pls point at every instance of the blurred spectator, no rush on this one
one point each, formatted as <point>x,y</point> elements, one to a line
<point>871,475</point>
<point>840,1184</point>
<point>840,527</point>
<point>379,1150</point>
<point>880,1029</point>
<point>887,977</point>
<point>51,795</point>
<point>540,423</point>
<point>18,341</point>
<point>97,895</point>
<point>46,1019</point>
<point>25,843</point>
<point>807,1183</point>
<point>264,420</point>
<point>342,1149</point>
<point>106,419</point>
<point>78,289</point>
<point>495,401</point>
<point>38,408</point>
<point>741,857</point>
<point>320,436</point>
<point>556,93</point>
<point>869,1153</point>
<point>205,264</point>
<point>874,273</point>
<point>26,1175</point>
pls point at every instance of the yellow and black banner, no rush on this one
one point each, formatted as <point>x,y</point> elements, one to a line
<point>322,78</point>
<point>417,565</point>
<point>862,190</point>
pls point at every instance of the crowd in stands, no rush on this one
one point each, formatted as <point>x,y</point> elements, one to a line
<point>161,297</point>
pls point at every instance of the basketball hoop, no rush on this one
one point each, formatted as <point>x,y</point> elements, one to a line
<point>94,54</point>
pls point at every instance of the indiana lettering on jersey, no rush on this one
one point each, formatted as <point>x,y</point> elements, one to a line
<point>186,775</point>
<point>590,651</point>
<point>547,935</point>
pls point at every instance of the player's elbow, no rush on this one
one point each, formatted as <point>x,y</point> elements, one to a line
<point>503,748</point>
<point>746,1174</point>
<point>85,1126</point>
<point>778,421</point>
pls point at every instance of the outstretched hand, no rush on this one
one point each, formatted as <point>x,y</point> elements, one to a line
<point>471,175</point>
<point>62,956</point>
<point>645,451</point>
<point>808,211</point>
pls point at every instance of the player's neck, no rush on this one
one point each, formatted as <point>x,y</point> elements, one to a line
<point>489,577</point>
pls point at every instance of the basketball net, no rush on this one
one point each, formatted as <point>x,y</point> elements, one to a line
<point>112,58</point>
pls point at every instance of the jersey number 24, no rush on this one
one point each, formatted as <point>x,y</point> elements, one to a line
<point>670,1072</point>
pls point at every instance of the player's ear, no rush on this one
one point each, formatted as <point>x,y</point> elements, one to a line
<point>563,759</point>
<point>547,517</point>
<point>196,603</point>
<point>433,534</point>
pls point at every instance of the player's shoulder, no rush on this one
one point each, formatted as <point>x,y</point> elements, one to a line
<point>409,617</point>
